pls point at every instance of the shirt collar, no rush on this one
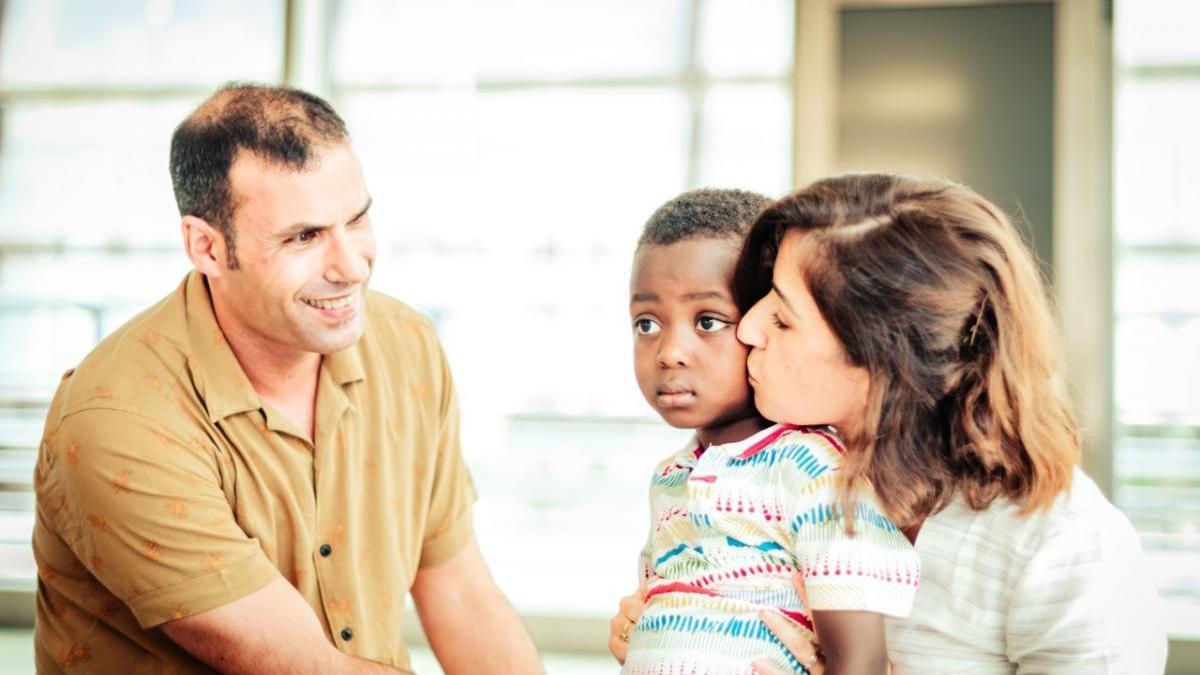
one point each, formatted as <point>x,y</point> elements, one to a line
<point>220,380</point>
<point>758,442</point>
<point>752,445</point>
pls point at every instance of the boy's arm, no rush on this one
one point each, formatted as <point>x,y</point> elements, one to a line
<point>852,642</point>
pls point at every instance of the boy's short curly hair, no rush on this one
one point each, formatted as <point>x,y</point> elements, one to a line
<point>706,213</point>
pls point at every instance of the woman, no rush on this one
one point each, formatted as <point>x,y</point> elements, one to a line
<point>910,315</point>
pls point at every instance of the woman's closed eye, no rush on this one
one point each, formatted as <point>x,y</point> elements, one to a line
<point>644,326</point>
<point>778,322</point>
<point>711,324</point>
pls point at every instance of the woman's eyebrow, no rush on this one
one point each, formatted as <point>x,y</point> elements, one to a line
<point>784,298</point>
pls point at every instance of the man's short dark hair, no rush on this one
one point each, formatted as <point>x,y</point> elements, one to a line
<point>706,213</point>
<point>280,125</point>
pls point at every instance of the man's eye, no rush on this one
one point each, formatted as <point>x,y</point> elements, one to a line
<point>645,326</point>
<point>305,237</point>
<point>711,324</point>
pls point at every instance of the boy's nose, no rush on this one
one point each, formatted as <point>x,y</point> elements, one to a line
<point>673,353</point>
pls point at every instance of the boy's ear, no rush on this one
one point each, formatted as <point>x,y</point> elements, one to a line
<point>205,246</point>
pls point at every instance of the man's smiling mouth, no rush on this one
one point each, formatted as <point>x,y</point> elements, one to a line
<point>333,303</point>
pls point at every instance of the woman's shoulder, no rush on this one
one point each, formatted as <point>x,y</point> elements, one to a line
<point>1081,520</point>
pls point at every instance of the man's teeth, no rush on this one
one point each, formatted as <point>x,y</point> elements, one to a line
<point>330,304</point>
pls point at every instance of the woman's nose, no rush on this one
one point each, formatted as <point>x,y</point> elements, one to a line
<point>749,330</point>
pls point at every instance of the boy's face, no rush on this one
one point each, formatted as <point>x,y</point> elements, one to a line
<point>688,361</point>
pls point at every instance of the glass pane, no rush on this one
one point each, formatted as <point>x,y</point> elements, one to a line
<point>1157,371</point>
<point>38,343</point>
<point>745,38</point>
<point>418,149</point>
<point>557,39</point>
<point>747,138</point>
<point>1157,283</point>
<point>89,173</point>
<point>1156,31</point>
<point>577,167</point>
<point>113,285</point>
<point>405,42</point>
<point>590,472</point>
<point>1157,160</point>
<point>82,42</point>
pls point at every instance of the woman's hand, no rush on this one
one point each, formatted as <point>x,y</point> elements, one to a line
<point>789,634</point>
<point>622,624</point>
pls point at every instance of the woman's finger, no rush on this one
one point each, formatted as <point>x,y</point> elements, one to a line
<point>631,608</point>
<point>765,667</point>
<point>618,648</point>
<point>794,640</point>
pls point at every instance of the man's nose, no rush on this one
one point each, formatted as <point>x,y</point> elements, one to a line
<point>347,259</point>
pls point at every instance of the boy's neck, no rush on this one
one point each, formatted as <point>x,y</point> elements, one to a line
<point>732,431</point>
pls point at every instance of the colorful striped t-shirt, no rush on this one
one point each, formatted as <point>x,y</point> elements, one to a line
<point>730,524</point>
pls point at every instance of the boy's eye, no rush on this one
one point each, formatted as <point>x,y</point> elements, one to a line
<point>711,324</point>
<point>646,326</point>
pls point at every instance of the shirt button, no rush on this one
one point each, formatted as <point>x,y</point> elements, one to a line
<point>325,550</point>
<point>347,634</point>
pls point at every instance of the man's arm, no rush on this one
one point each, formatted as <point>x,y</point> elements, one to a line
<point>272,630</point>
<point>456,600</point>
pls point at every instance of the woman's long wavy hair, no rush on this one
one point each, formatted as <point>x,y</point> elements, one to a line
<point>931,289</point>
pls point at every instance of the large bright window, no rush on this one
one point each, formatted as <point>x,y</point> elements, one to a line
<point>1157,339</point>
<point>514,150</point>
<point>89,234</point>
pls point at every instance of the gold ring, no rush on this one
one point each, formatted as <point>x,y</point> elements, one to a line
<point>625,632</point>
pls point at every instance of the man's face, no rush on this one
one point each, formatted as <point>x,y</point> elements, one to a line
<point>305,250</point>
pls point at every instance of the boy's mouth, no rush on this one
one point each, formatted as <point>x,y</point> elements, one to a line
<point>674,396</point>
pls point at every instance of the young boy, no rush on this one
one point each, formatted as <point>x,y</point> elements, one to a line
<point>746,503</point>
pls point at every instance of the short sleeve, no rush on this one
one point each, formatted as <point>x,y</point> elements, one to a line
<point>875,570</point>
<point>143,509</point>
<point>1083,603</point>
<point>448,526</point>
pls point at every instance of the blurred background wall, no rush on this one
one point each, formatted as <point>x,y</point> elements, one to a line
<point>515,147</point>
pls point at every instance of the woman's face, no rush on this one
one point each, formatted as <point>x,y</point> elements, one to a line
<point>798,368</point>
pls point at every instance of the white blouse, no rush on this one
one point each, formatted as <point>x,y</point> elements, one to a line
<point>1061,591</point>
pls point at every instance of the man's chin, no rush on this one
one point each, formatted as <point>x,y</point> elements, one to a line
<point>328,342</point>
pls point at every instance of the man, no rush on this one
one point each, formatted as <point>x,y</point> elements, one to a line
<point>253,473</point>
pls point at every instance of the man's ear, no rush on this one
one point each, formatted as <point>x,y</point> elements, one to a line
<point>205,246</point>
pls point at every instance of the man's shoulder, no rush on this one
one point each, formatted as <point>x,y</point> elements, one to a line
<point>391,322</point>
<point>135,368</point>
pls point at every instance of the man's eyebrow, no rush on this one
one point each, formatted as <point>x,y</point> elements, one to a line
<point>300,227</point>
<point>363,212</point>
<point>643,297</point>
<point>297,228</point>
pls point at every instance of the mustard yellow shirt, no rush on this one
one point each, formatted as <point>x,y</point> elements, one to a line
<point>165,487</point>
